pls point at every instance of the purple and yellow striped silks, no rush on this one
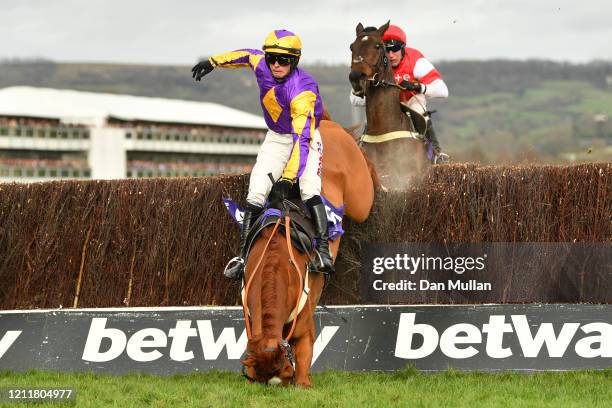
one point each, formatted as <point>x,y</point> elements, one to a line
<point>290,106</point>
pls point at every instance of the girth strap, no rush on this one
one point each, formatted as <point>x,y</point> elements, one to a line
<point>400,134</point>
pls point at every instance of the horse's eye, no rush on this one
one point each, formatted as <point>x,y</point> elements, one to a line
<point>351,47</point>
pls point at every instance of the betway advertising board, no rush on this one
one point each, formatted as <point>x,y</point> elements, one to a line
<point>168,341</point>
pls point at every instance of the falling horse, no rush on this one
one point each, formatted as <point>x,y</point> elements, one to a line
<point>391,141</point>
<point>280,294</point>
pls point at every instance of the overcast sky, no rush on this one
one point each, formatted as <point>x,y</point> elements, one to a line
<point>177,32</point>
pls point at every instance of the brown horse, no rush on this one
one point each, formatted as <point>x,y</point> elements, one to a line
<point>276,285</point>
<point>398,156</point>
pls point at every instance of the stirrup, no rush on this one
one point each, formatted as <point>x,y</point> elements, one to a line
<point>318,266</point>
<point>441,158</point>
<point>235,261</point>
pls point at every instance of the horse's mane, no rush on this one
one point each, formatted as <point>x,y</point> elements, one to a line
<point>326,115</point>
<point>269,287</point>
<point>262,354</point>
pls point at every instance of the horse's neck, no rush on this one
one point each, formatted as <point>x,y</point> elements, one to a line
<point>383,110</point>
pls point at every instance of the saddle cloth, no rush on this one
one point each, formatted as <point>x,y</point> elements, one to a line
<point>301,230</point>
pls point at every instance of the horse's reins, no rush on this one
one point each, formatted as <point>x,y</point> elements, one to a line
<point>284,342</point>
<point>297,268</point>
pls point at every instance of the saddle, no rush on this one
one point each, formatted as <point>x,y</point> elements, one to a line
<point>419,121</point>
<point>302,231</point>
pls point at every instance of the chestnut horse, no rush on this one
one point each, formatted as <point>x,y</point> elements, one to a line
<point>399,157</point>
<point>275,341</point>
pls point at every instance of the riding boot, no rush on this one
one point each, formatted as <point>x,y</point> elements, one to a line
<point>319,219</point>
<point>235,267</point>
<point>430,136</point>
<point>437,155</point>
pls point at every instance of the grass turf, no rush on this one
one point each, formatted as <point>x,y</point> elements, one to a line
<point>331,389</point>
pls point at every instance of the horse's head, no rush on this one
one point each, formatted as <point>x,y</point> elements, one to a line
<point>269,361</point>
<point>369,58</point>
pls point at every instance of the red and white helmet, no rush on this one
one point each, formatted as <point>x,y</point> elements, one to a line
<point>394,33</point>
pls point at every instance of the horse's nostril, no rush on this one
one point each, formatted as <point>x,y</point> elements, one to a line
<point>355,76</point>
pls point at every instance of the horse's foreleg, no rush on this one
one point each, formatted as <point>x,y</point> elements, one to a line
<point>303,356</point>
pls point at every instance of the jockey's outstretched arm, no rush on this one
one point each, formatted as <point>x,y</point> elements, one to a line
<point>238,59</point>
<point>233,59</point>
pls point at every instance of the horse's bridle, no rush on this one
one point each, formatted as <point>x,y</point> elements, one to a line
<point>286,347</point>
<point>385,62</point>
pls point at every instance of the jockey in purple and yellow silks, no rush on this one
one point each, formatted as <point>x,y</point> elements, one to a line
<point>292,149</point>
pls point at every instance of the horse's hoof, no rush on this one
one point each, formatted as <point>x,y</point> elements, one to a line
<point>304,383</point>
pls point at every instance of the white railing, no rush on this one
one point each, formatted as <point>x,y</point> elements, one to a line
<point>27,173</point>
<point>45,132</point>
<point>194,137</point>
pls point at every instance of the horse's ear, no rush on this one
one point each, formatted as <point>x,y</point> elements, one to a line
<point>383,28</point>
<point>359,28</point>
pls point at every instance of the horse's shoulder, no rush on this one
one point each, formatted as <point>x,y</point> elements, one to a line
<point>329,125</point>
<point>330,129</point>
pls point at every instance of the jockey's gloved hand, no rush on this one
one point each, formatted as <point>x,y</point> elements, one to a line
<point>201,68</point>
<point>413,86</point>
<point>359,94</point>
<point>284,187</point>
<point>280,191</point>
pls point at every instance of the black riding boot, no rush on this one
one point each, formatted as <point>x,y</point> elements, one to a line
<point>430,136</point>
<point>235,267</point>
<point>319,219</point>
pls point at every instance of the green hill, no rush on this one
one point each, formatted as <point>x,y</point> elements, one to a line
<point>498,111</point>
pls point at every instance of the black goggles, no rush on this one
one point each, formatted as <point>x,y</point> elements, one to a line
<point>393,46</point>
<point>282,59</point>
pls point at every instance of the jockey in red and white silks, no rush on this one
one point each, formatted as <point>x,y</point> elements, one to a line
<point>412,66</point>
<point>414,72</point>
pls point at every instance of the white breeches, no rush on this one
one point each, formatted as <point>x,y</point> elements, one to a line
<point>273,157</point>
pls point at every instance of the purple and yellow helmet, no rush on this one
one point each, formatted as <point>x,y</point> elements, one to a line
<point>283,42</point>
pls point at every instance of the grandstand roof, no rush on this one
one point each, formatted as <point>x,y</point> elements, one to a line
<point>91,108</point>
